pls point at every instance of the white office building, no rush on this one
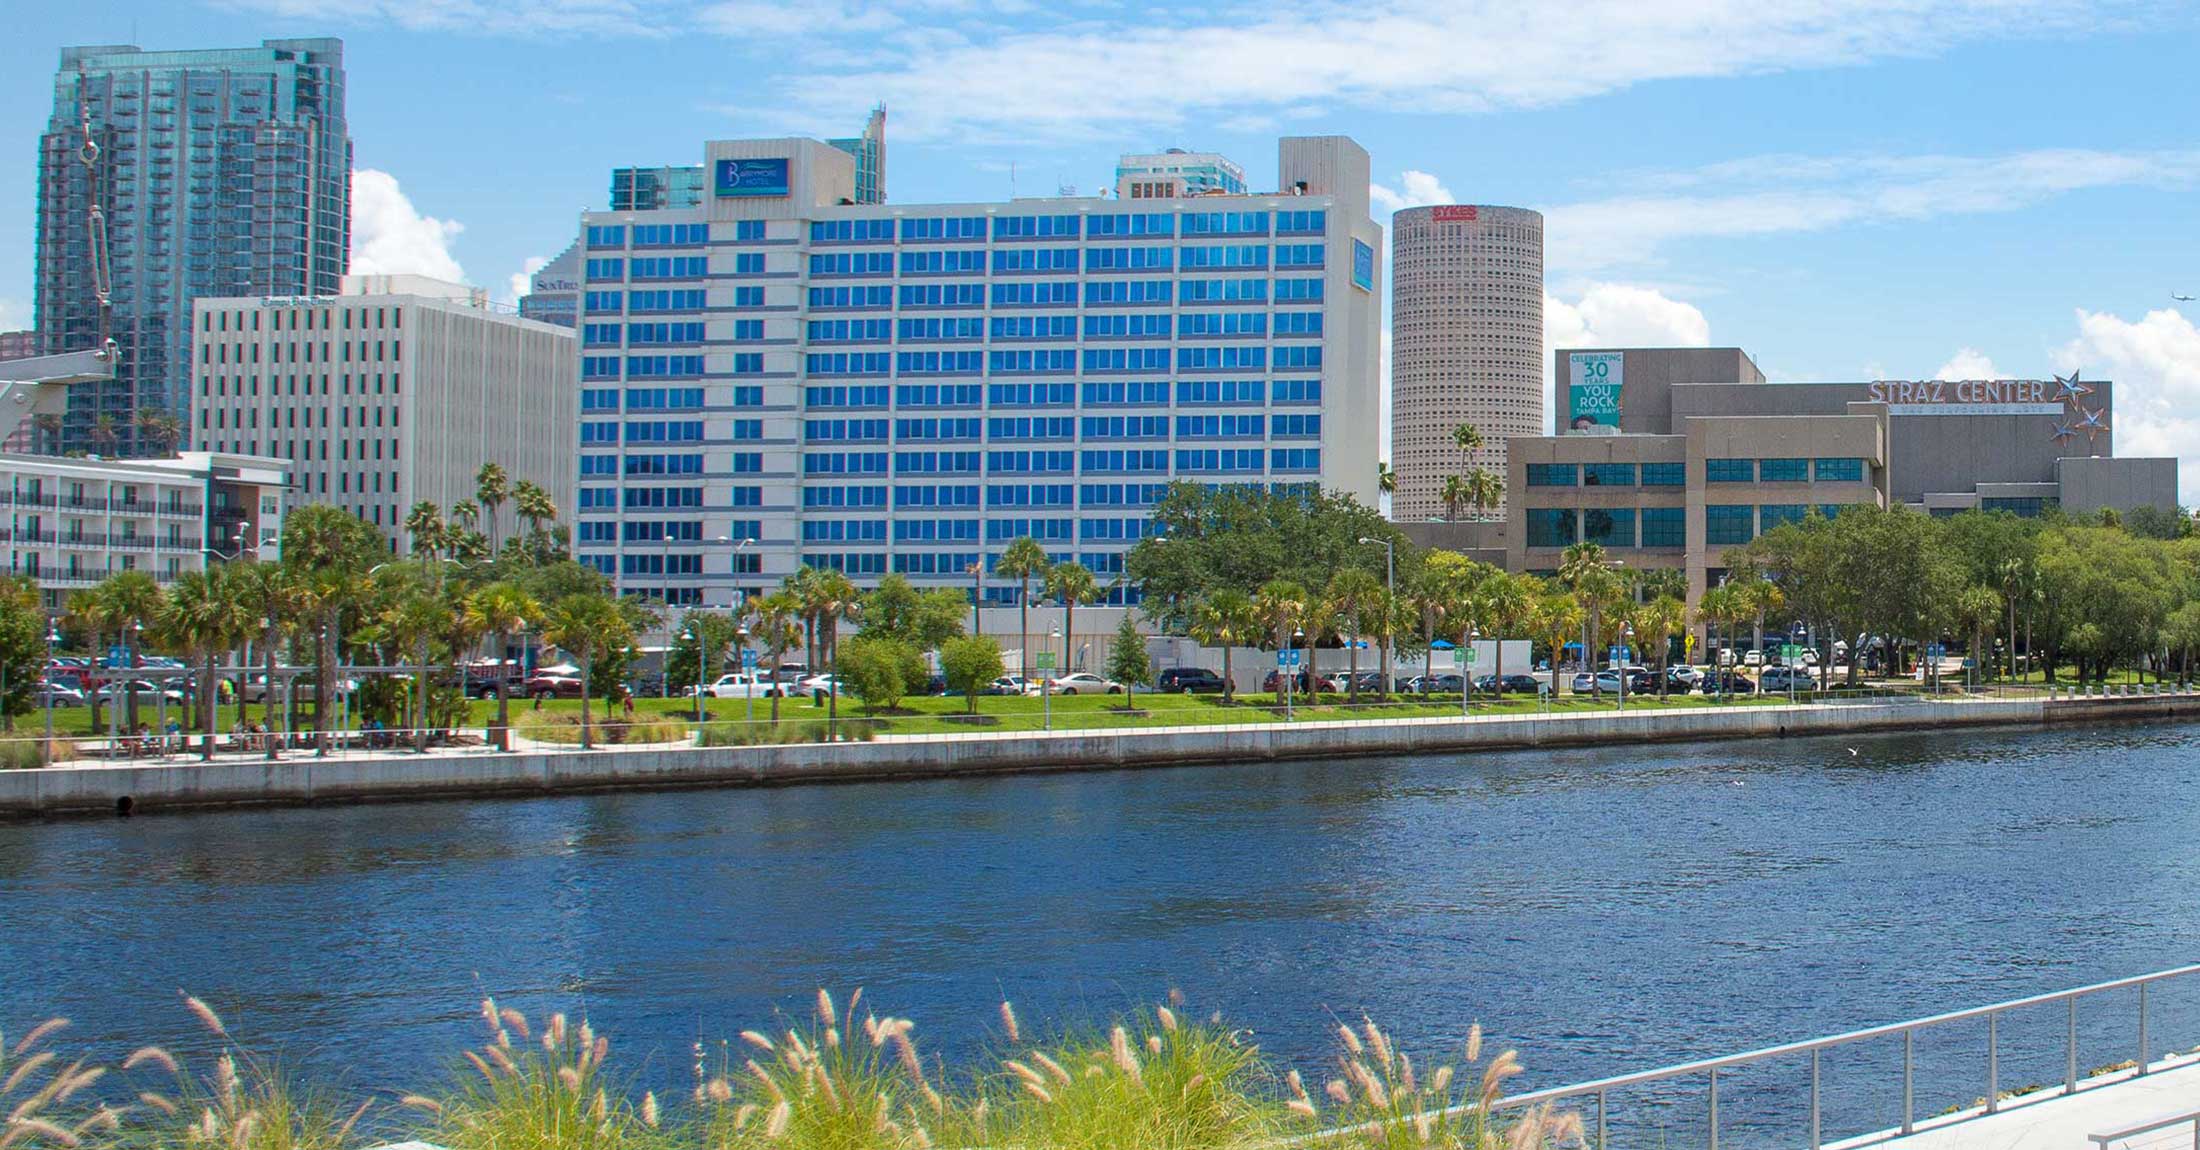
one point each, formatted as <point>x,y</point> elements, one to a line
<point>1177,173</point>
<point>395,392</point>
<point>69,522</point>
<point>910,387</point>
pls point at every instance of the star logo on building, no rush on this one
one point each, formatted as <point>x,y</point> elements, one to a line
<point>2062,433</point>
<point>2071,390</point>
<point>2093,424</point>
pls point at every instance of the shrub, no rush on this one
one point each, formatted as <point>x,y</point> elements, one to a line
<point>23,754</point>
<point>562,728</point>
<point>880,671</point>
<point>969,664</point>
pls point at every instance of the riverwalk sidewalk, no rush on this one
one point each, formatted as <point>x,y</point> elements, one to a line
<point>2052,1120</point>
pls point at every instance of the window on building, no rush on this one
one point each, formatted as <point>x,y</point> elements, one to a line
<point>1772,515</point>
<point>1664,475</point>
<point>1730,470</point>
<point>1783,470</point>
<point>1553,475</point>
<point>1838,470</point>
<point>1729,524</point>
<point>1607,475</point>
<point>1608,526</point>
<point>1664,528</point>
<point>1552,527</point>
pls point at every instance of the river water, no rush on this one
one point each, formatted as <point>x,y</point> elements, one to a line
<point>1602,910</point>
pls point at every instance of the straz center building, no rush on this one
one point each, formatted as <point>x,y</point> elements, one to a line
<point>1672,456</point>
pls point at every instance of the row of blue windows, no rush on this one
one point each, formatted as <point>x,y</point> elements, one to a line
<point>967,261</point>
<point>850,330</point>
<point>878,297</point>
<point>844,531</point>
<point>1310,222</point>
<point>1146,394</point>
<point>1836,470</point>
<point>844,430</point>
<point>936,463</point>
<point>1030,462</point>
<point>652,235</point>
<point>1660,528</point>
<point>936,530</point>
<point>660,564</point>
<point>652,464</point>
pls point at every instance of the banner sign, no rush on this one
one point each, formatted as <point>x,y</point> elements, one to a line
<point>1594,379</point>
<point>1454,213</point>
<point>1967,397</point>
<point>752,178</point>
<point>1363,266</point>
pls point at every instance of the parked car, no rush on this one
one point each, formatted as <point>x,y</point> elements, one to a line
<point>1786,678</point>
<point>1731,682</point>
<point>1084,683</point>
<point>1586,681</point>
<point>825,683</point>
<point>1368,682</point>
<point>1683,676</point>
<point>1008,685</point>
<point>1753,658</point>
<point>1437,684</point>
<point>549,685</point>
<point>740,685</point>
<point>1273,682</point>
<point>144,690</point>
<point>1513,685</point>
<point>1189,681</point>
<point>57,695</point>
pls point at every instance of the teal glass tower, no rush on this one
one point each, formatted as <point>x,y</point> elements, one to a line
<point>222,172</point>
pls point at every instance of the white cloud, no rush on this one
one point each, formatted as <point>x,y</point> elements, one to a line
<point>2155,363</point>
<point>1415,189</point>
<point>15,315</point>
<point>1767,195</point>
<point>390,237</point>
<point>521,281</point>
<point>1967,363</point>
<point>1621,315</point>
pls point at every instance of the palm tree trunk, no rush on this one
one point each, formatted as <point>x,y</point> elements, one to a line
<point>777,690</point>
<point>1069,631</point>
<point>1229,681</point>
<point>1352,667</point>
<point>208,711</point>
<point>588,664</point>
<point>504,698</point>
<point>324,674</point>
<point>1023,620</point>
<point>420,701</point>
<point>1498,667</point>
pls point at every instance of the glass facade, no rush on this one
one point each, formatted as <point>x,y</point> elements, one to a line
<point>1552,527</point>
<point>965,371</point>
<point>1729,471</point>
<point>1664,528</point>
<point>1729,524</point>
<point>1783,471</point>
<point>221,173</point>
<point>1610,526</point>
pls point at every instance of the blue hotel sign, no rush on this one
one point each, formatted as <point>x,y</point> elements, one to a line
<point>752,178</point>
<point>1363,266</point>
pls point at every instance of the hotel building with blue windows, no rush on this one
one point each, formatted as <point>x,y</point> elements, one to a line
<point>783,376</point>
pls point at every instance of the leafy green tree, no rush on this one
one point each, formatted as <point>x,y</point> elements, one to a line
<point>1509,602</point>
<point>1205,540</point>
<point>430,535</point>
<point>1483,490</point>
<point>1023,560</point>
<point>923,619</point>
<point>880,670</point>
<point>22,646</point>
<point>702,648</point>
<point>327,553</point>
<point>1557,618</point>
<point>775,624</point>
<point>1455,492</point>
<point>1129,663</point>
<point>1583,569</point>
<point>969,665</point>
<point>1657,622</point>
<point>1070,584</point>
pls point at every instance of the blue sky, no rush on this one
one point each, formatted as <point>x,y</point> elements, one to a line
<point>1847,188</point>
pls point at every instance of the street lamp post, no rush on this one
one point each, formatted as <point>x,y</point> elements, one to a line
<point>1466,672</point>
<point>1390,592</point>
<point>1290,682</point>
<point>1046,685</point>
<point>741,652</point>
<point>702,665</point>
<point>53,636</point>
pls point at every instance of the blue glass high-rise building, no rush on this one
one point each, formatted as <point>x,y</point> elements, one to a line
<point>782,376</point>
<point>222,172</point>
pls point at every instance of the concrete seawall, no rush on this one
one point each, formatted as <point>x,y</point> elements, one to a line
<point>303,779</point>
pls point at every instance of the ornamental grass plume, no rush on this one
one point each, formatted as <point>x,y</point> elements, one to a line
<point>839,1080</point>
<point>548,1092</point>
<point>232,1099</point>
<point>1147,1084</point>
<point>1380,1099</point>
<point>42,1097</point>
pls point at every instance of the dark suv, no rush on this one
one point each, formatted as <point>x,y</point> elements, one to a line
<point>1188,681</point>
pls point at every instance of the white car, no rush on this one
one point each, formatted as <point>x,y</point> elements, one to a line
<point>1687,674</point>
<point>743,686</point>
<point>1084,683</point>
<point>1753,658</point>
<point>825,683</point>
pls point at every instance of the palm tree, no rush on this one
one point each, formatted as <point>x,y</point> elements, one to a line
<point>326,552</point>
<point>1468,439</point>
<point>1557,615</point>
<point>411,621</point>
<point>1355,595</point>
<point>491,489</point>
<point>1386,480</point>
<point>533,505</point>
<point>1279,608</point>
<point>160,428</point>
<point>1321,623</point>
<point>1582,568</point>
<point>1454,493</point>
<point>1224,619</point>
<point>1023,560</point>
<point>1719,608</point>
<point>590,626</point>
<point>1071,584</point>
<point>500,610</point>
<point>976,571</point>
<point>1656,622</point>
<point>1484,490</point>
<point>207,613</point>
<point>104,435</point>
<point>776,629</point>
<point>127,602</point>
<point>827,599</point>
<point>1509,602</point>
<point>424,523</point>
<point>265,592</point>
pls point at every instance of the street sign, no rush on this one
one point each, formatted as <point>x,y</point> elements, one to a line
<point>1046,660</point>
<point>1790,652</point>
<point>1287,657</point>
<point>1470,655</point>
<point>748,660</point>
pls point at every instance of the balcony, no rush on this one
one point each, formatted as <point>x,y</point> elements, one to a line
<point>85,540</point>
<point>85,502</point>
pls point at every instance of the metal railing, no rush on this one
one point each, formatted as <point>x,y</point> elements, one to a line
<point>1709,1068</point>
<point>2101,1141</point>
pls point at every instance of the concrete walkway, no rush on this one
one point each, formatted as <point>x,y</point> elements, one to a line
<point>2051,1120</point>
